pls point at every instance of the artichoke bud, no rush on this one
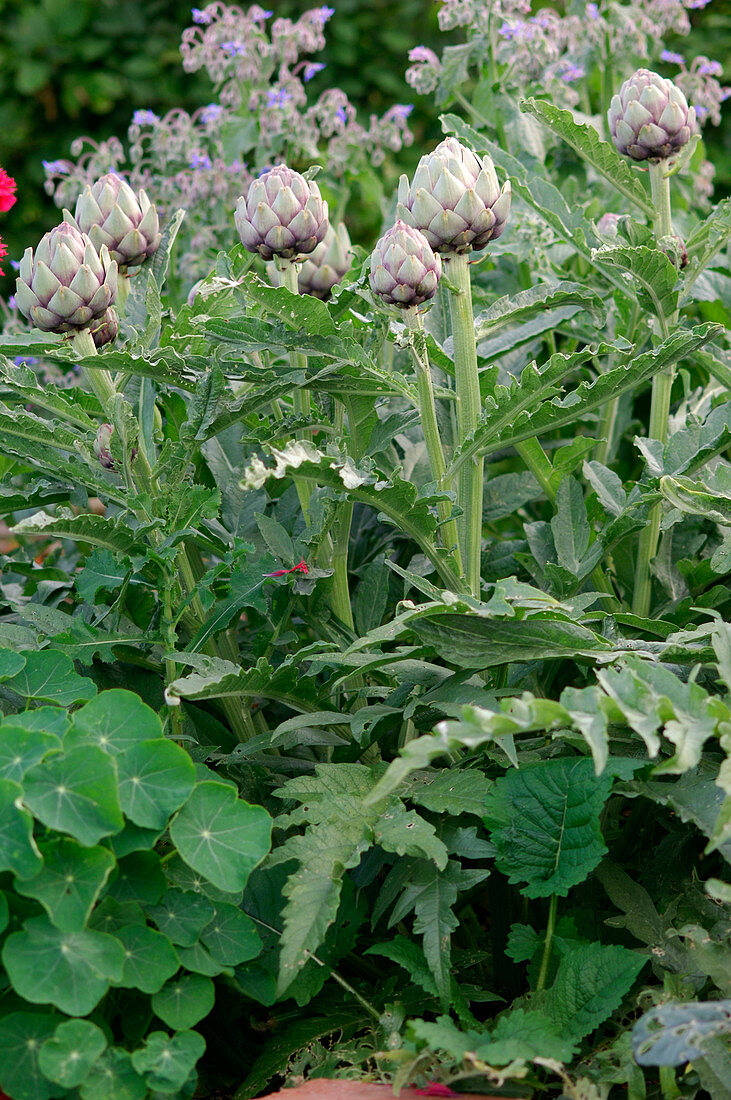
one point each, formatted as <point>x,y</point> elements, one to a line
<point>455,199</point>
<point>404,268</point>
<point>324,267</point>
<point>103,444</point>
<point>674,248</point>
<point>113,215</point>
<point>649,117</point>
<point>283,214</point>
<point>105,329</point>
<point>65,285</point>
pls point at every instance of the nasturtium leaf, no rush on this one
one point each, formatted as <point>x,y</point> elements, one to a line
<point>221,836</point>
<point>18,851</point>
<point>10,663</point>
<point>133,838</point>
<point>113,1077</point>
<point>198,960</point>
<point>589,985</point>
<point>76,792</point>
<point>68,1055</point>
<point>20,749</point>
<point>50,676</point>
<point>155,778</point>
<point>140,878</point>
<point>168,1060</point>
<point>182,916</point>
<point>179,873</point>
<point>181,1003</point>
<point>4,912</point>
<point>115,720</point>
<point>111,915</point>
<point>231,937</point>
<point>47,719</point>
<point>71,970</point>
<point>149,958</point>
<point>544,822</point>
<point>70,881</point>
<point>21,1036</point>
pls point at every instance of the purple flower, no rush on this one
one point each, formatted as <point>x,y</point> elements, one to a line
<point>278,97</point>
<point>233,49</point>
<point>29,360</point>
<point>211,113</point>
<point>710,68</point>
<point>58,166</point>
<point>400,110</point>
<point>15,264</point>
<point>200,160</point>
<point>592,10</point>
<point>672,58</point>
<point>201,17</point>
<point>570,72</point>
<point>312,68</point>
<point>321,15</point>
<point>145,118</point>
<point>700,111</point>
<point>260,15</point>
<point>696,3</point>
<point>342,114</point>
<point>11,302</point>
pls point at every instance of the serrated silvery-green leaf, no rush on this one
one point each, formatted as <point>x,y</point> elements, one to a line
<point>231,937</point>
<point>697,499</point>
<point>676,1032</point>
<point>182,1002</point>
<point>608,487</point>
<point>544,821</point>
<point>21,748</point>
<point>71,970</point>
<point>166,1061</point>
<point>221,836</point>
<point>149,958</point>
<point>409,956</point>
<point>101,573</point>
<point>204,404</point>
<point>295,310</point>
<point>114,721</point>
<point>508,311</point>
<point>571,530</point>
<point>585,712</point>
<point>76,793</point>
<point>113,1077</point>
<point>654,277</point>
<point>18,850</point>
<point>51,677</point>
<point>21,1037</point>
<point>70,881</point>
<point>155,779</point>
<point>590,984</point>
<point>102,531</point>
<point>182,916</point>
<point>484,643</point>
<point>67,1056</point>
<point>601,155</point>
<point>140,877</point>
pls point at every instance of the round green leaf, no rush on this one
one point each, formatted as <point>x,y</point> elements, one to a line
<point>113,1077</point>
<point>115,720</point>
<point>198,960</point>
<point>71,970</point>
<point>149,958</point>
<point>47,719</point>
<point>133,839</point>
<point>192,882</point>
<point>183,1002</point>
<point>20,749</point>
<point>51,676</point>
<point>69,882</point>
<point>70,1053</point>
<point>140,878</point>
<point>10,663</point>
<point>168,1060</point>
<point>21,1035</point>
<point>182,916</point>
<point>155,778</point>
<point>111,916</point>
<point>18,851</point>
<point>76,792</point>
<point>221,836</point>
<point>231,937</point>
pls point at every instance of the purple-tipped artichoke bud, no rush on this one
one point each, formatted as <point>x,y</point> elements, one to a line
<point>65,284</point>
<point>455,199</point>
<point>105,329</point>
<point>649,117</point>
<point>283,214</point>
<point>103,444</point>
<point>674,248</point>
<point>405,270</point>
<point>608,225</point>
<point>113,215</point>
<point>325,266</point>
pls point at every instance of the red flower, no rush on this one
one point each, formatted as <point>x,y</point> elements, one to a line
<point>7,191</point>
<point>3,252</point>
<point>299,568</point>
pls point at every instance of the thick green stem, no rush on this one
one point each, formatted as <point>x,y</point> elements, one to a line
<point>171,639</point>
<point>300,397</point>
<point>662,385</point>
<point>100,381</point>
<point>339,590</point>
<point>467,381</point>
<point>430,427</point>
<point>123,289</point>
<point>546,957</point>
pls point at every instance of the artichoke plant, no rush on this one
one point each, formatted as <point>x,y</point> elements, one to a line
<point>106,329</point>
<point>113,215</point>
<point>455,199</point>
<point>66,284</point>
<point>324,267</point>
<point>649,117</point>
<point>283,214</point>
<point>404,269</point>
<point>103,444</point>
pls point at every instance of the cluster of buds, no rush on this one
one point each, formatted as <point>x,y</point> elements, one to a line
<point>323,268</point>
<point>453,205</point>
<point>649,118</point>
<point>69,283</point>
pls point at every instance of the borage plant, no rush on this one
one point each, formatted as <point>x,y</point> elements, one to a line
<point>430,564</point>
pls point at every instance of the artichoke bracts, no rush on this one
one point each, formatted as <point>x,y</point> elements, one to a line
<point>404,269</point>
<point>113,215</point>
<point>283,214</point>
<point>649,118</point>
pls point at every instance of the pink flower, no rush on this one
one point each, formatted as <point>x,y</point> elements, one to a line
<point>7,190</point>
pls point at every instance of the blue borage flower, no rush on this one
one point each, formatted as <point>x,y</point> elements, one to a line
<point>312,68</point>
<point>201,17</point>
<point>145,118</point>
